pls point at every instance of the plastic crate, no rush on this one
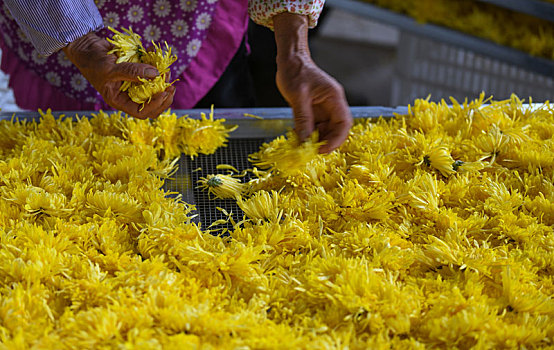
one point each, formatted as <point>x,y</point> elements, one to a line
<point>426,67</point>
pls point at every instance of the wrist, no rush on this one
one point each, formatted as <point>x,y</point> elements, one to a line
<point>79,46</point>
<point>291,37</point>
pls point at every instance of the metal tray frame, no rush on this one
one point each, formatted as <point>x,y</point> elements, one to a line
<point>275,121</point>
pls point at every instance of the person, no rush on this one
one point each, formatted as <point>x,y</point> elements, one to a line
<point>57,56</point>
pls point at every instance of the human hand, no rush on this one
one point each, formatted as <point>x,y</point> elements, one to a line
<point>317,100</point>
<point>90,55</point>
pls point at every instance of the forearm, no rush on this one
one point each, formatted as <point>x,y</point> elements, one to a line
<point>291,37</point>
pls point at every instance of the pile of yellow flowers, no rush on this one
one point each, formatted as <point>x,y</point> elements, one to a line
<point>433,229</point>
<point>127,46</point>
<point>500,25</point>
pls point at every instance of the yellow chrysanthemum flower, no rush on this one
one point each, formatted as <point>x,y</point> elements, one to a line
<point>222,186</point>
<point>461,166</point>
<point>159,58</point>
<point>426,193</point>
<point>287,155</point>
<point>203,135</point>
<point>492,144</point>
<point>142,93</point>
<point>440,159</point>
<point>262,205</point>
<point>127,46</point>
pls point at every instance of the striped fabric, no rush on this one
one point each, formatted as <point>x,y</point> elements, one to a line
<point>54,23</point>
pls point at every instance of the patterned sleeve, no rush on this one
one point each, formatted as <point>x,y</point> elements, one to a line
<point>52,24</point>
<point>262,11</point>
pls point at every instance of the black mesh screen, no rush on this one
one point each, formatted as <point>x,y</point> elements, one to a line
<point>185,180</point>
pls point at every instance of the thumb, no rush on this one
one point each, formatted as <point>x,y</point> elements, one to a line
<point>132,71</point>
<point>303,119</point>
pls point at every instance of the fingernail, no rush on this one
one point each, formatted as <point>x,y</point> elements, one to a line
<point>151,73</point>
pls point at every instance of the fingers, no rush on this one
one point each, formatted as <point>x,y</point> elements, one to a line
<point>331,112</point>
<point>157,105</point>
<point>132,71</point>
<point>338,133</point>
<point>124,103</point>
<point>339,121</point>
<point>303,117</point>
